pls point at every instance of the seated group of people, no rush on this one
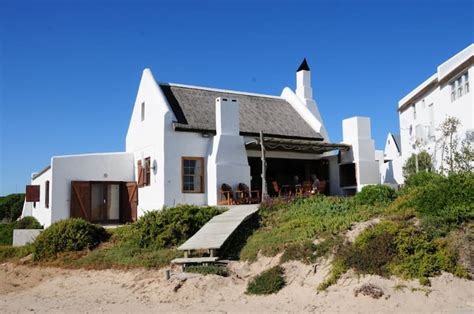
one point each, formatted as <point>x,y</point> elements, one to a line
<point>298,188</point>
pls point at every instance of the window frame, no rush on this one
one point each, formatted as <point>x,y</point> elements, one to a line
<point>142,111</point>
<point>46,194</point>
<point>147,174</point>
<point>202,190</point>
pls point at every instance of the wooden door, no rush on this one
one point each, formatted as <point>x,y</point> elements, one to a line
<point>81,199</point>
<point>128,206</point>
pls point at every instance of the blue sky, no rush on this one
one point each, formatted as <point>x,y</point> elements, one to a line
<point>69,70</point>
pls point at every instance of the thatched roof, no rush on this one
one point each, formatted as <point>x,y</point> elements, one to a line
<point>194,109</point>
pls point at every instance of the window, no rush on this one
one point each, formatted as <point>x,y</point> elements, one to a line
<point>466,83</point>
<point>414,111</point>
<point>193,174</point>
<point>147,171</point>
<point>46,194</point>
<point>143,111</point>
<point>459,86</point>
<point>453,91</point>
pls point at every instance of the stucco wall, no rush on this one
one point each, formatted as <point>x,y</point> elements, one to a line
<point>93,167</point>
<point>40,212</point>
<point>432,108</point>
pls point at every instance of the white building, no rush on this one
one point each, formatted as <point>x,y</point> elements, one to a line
<point>184,142</point>
<point>447,93</point>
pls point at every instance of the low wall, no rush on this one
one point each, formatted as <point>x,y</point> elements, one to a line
<point>25,236</point>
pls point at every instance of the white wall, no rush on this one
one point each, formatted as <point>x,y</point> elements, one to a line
<point>91,167</point>
<point>145,138</point>
<point>40,212</point>
<point>357,132</point>
<point>432,108</point>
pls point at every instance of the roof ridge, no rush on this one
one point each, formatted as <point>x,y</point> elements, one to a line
<point>219,90</point>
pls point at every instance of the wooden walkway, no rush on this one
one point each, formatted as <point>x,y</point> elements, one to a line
<point>214,233</point>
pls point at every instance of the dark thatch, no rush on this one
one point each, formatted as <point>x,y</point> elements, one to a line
<point>194,109</point>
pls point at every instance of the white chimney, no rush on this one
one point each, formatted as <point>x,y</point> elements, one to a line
<point>227,116</point>
<point>303,82</point>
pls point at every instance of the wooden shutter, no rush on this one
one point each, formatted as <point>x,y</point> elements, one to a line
<point>32,193</point>
<point>46,194</point>
<point>81,199</point>
<point>128,206</point>
<point>141,174</point>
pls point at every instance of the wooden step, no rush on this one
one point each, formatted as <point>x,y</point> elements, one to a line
<point>194,260</point>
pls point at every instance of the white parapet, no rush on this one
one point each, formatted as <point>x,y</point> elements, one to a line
<point>356,132</point>
<point>228,161</point>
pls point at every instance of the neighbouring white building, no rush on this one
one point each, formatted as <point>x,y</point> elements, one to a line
<point>447,93</point>
<point>184,142</point>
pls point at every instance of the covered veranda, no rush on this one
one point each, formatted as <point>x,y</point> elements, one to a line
<point>285,175</point>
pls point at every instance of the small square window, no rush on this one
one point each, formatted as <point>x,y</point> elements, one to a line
<point>143,111</point>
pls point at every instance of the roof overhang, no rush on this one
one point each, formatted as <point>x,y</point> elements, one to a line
<point>204,130</point>
<point>296,145</point>
<point>37,175</point>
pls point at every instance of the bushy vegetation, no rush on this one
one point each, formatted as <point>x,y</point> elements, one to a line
<point>424,164</point>
<point>445,203</point>
<point>28,222</point>
<point>171,226</point>
<point>421,179</point>
<point>392,248</point>
<point>6,230</point>
<point>6,233</point>
<point>268,282</point>
<point>11,253</point>
<point>377,194</point>
<point>208,270</point>
<point>67,235</point>
<point>11,206</point>
<point>285,224</point>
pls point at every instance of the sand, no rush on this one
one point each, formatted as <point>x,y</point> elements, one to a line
<point>38,289</point>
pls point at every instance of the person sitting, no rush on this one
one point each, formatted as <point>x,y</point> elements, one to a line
<point>315,184</point>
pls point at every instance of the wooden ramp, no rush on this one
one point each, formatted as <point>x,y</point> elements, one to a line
<point>214,233</point>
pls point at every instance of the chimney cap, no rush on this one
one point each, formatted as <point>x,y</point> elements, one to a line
<point>303,66</point>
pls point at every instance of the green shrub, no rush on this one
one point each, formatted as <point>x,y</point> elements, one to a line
<point>424,164</point>
<point>338,268</point>
<point>67,235</point>
<point>11,206</point>
<point>126,255</point>
<point>421,179</point>
<point>208,270</point>
<point>396,249</point>
<point>373,250</point>
<point>28,222</point>
<point>268,282</point>
<point>299,251</point>
<point>302,220</point>
<point>8,253</point>
<point>419,257</point>
<point>6,233</point>
<point>329,245</point>
<point>378,194</point>
<point>171,226</point>
<point>446,203</point>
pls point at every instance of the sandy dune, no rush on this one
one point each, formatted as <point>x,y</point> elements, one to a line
<point>26,289</point>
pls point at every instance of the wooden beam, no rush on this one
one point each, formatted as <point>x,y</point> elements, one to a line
<point>264,168</point>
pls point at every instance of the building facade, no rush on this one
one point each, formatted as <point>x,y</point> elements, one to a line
<point>184,142</point>
<point>447,93</point>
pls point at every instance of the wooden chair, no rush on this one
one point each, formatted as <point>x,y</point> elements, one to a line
<point>246,196</point>
<point>298,190</point>
<point>276,188</point>
<point>307,188</point>
<point>226,195</point>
